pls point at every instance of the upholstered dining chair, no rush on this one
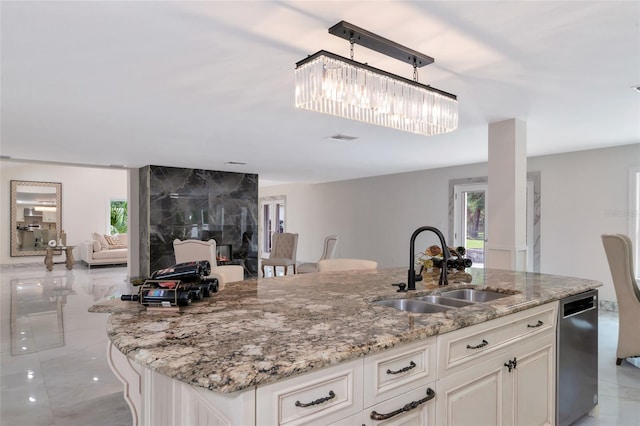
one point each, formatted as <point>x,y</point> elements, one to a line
<point>192,250</point>
<point>283,252</point>
<point>619,252</point>
<point>330,244</point>
<point>346,264</point>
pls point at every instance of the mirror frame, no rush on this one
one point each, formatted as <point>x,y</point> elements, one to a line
<point>15,252</point>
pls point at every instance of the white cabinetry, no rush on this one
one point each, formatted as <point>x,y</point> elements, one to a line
<point>49,216</point>
<point>158,400</point>
<point>393,387</point>
<point>499,372</point>
<point>399,385</point>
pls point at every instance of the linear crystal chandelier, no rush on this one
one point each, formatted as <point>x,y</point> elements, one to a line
<point>332,84</point>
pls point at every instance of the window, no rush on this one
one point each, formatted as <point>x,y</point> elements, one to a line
<point>117,217</point>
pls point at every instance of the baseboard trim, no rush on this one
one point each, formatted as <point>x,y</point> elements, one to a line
<point>608,305</point>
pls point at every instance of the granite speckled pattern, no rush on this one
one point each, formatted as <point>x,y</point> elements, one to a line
<point>260,331</point>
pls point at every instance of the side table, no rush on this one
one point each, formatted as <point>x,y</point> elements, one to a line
<point>68,250</point>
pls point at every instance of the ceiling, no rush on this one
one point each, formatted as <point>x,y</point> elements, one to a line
<point>200,84</point>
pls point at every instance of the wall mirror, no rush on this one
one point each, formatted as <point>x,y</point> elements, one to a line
<point>36,216</point>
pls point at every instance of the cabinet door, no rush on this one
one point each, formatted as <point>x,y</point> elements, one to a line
<point>472,397</point>
<point>48,216</point>
<point>533,382</point>
<point>490,394</point>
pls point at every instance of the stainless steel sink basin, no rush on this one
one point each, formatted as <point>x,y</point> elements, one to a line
<point>440,300</point>
<point>473,295</point>
<point>412,305</point>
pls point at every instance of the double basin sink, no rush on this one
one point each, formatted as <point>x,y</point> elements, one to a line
<point>442,302</point>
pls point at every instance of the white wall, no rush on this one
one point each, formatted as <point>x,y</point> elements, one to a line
<point>375,217</point>
<point>578,191</point>
<point>86,193</point>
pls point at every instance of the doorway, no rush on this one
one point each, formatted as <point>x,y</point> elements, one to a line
<point>470,216</point>
<point>272,220</point>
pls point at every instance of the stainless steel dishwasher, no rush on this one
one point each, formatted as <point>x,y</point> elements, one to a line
<point>577,357</point>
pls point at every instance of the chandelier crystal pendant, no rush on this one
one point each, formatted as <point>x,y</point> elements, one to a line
<point>331,84</point>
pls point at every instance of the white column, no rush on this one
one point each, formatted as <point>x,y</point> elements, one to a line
<point>506,246</point>
<point>133,225</point>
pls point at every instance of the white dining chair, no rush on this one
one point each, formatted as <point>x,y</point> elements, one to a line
<point>330,244</point>
<point>283,252</point>
<point>193,250</point>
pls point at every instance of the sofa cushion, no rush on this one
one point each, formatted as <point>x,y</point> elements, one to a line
<point>104,245</point>
<point>114,242</point>
<point>111,254</point>
<point>96,245</point>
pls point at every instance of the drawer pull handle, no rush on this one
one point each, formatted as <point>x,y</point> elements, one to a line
<point>410,406</point>
<point>481,345</point>
<point>403,370</point>
<point>317,401</point>
<point>536,325</point>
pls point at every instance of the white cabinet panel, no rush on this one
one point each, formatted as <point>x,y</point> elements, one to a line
<point>473,396</point>
<point>413,408</point>
<point>320,397</point>
<point>534,383</point>
<point>393,372</point>
<point>511,385</point>
<point>458,349</point>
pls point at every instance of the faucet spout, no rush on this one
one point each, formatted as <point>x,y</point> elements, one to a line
<point>411,279</point>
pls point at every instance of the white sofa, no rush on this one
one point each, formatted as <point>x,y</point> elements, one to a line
<point>105,250</point>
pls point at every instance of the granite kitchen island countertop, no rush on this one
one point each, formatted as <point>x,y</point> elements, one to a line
<point>259,331</point>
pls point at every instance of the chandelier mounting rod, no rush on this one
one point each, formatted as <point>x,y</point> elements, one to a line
<point>380,44</point>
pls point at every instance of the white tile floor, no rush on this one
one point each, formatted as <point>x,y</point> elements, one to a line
<point>53,353</point>
<point>54,369</point>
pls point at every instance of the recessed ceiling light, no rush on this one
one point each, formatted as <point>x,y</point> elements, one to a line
<point>637,88</point>
<point>235,163</point>
<point>341,137</point>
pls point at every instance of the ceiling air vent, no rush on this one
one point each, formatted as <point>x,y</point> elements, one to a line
<point>341,137</point>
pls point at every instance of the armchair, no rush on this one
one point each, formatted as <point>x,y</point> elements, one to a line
<point>191,250</point>
<point>619,252</point>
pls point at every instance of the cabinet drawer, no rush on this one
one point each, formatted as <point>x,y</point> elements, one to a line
<point>416,407</point>
<point>395,371</point>
<point>315,398</point>
<point>468,344</point>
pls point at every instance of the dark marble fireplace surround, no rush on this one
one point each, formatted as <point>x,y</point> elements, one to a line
<point>199,204</point>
